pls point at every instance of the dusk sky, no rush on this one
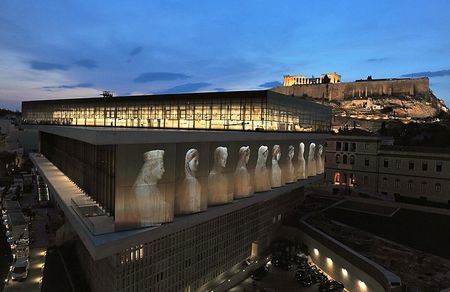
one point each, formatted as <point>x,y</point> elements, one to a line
<point>59,49</point>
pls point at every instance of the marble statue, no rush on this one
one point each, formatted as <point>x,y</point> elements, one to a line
<point>262,181</point>
<point>276,170</point>
<point>289,170</point>
<point>151,206</point>
<point>301,163</point>
<point>188,200</point>
<point>218,192</point>
<point>242,184</point>
<point>319,160</point>
<point>311,166</point>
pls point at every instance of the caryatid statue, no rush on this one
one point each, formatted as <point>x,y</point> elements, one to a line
<point>319,160</point>
<point>289,171</point>
<point>151,206</point>
<point>218,191</point>
<point>262,180</point>
<point>188,199</point>
<point>311,166</point>
<point>276,170</point>
<point>301,163</point>
<point>242,184</point>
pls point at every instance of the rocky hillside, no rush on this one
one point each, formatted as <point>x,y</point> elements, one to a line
<point>402,107</point>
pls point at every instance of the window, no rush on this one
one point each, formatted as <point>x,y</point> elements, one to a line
<point>385,180</point>
<point>337,178</point>
<point>410,185</point>
<point>338,146</point>
<point>366,162</point>
<point>338,158</point>
<point>437,187</point>
<point>411,165</point>
<point>424,166</point>
<point>344,159</point>
<point>397,183</point>
<point>353,147</point>
<point>345,146</point>
<point>423,186</point>
<point>397,164</point>
<point>366,146</point>
<point>386,163</point>
<point>366,180</point>
<point>352,159</point>
<point>351,180</point>
<point>438,167</point>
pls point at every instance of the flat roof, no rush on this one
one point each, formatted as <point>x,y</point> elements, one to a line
<point>104,245</point>
<point>147,97</point>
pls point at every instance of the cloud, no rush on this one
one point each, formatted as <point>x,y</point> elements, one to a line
<point>159,76</point>
<point>428,74</point>
<point>270,84</point>
<point>376,60</point>
<point>86,63</point>
<point>188,87</point>
<point>64,86</point>
<point>220,89</point>
<point>135,51</point>
<point>37,65</point>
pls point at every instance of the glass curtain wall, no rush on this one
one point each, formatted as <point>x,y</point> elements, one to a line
<point>270,112</point>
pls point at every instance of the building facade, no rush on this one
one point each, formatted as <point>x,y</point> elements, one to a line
<point>364,164</point>
<point>168,193</point>
<point>291,80</point>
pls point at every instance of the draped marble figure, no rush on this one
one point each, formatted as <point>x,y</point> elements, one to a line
<point>319,160</point>
<point>262,180</point>
<point>312,160</point>
<point>218,191</point>
<point>301,163</point>
<point>188,200</point>
<point>242,184</point>
<point>151,205</point>
<point>276,170</point>
<point>289,167</point>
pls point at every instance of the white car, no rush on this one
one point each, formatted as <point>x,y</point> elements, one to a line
<point>20,270</point>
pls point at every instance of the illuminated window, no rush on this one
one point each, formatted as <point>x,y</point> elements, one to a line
<point>337,178</point>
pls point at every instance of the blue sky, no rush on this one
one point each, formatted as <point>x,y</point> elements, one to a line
<point>59,49</point>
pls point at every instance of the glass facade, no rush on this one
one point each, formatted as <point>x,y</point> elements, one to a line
<point>244,110</point>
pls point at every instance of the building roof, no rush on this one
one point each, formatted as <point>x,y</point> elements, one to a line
<point>357,132</point>
<point>418,149</point>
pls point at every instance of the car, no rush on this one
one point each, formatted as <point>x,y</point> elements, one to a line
<point>331,286</point>
<point>19,271</point>
<point>10,240</point>
<point>5,217</point>
<point>8,233</point>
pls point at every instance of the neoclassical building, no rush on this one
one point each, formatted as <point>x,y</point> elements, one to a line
<point>290,80</point>
<point>366,164</point>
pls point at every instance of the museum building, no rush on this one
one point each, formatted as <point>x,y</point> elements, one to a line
<point>169,192</point>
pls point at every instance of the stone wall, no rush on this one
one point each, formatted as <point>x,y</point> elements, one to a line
<point>340,91</point>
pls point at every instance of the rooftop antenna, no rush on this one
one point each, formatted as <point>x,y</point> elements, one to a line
<point>107,93</point>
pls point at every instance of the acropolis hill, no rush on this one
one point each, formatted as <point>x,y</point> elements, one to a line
<point>405,99</point>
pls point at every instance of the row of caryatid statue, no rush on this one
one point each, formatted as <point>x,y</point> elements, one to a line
<point>188,198</point>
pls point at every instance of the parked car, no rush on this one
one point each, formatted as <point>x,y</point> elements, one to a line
<point>331,286</point>
<point>20,270</point>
